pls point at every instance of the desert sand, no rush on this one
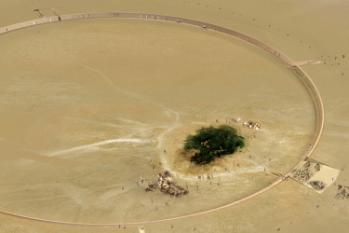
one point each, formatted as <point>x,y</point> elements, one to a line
<point>89,106</point>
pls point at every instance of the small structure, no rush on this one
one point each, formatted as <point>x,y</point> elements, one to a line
<point>166,185</point>
<point>248,124</point>
<point>252,125</point>
<point>315,175</point>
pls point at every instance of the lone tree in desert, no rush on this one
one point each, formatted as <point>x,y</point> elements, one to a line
<point>211,142</point>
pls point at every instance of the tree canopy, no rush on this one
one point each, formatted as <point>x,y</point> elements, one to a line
<point>208,143</point>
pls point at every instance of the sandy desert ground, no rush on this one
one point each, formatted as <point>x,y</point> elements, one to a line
<point>89,106</point>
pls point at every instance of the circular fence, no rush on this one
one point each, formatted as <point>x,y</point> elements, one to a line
<point>281,57</point>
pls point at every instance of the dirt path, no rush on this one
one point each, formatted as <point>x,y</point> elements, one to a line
<point>301,74</point>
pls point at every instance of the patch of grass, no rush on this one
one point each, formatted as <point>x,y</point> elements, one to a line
<point>212,142</point>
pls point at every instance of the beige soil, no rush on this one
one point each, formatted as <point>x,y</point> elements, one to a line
<point>89,106</point>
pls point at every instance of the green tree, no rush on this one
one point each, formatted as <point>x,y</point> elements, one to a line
<point>212,142</point>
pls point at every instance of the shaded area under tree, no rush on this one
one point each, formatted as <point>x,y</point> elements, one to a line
<point>211,142</point>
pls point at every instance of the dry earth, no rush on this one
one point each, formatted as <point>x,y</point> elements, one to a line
<point>89,106</point>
